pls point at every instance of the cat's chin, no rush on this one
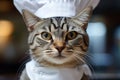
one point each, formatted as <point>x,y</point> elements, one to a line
<point>58,62</point>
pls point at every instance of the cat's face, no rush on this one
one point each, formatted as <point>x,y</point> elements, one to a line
<point>58,41</point>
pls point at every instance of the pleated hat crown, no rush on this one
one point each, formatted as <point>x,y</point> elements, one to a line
<point>54,8</point>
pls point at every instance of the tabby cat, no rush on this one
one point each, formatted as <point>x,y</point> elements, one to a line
<point>58,41</point>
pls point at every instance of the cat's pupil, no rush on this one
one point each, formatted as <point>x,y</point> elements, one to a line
<point>72,35</point>
<point>46,35</point>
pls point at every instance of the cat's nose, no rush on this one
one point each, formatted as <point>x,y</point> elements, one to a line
<point>60,48</point>
<point>59,45</point>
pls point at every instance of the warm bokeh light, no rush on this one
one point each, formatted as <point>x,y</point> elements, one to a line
<point>6,28</point>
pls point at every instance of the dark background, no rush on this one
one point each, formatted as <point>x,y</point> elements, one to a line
<point>14,49</point>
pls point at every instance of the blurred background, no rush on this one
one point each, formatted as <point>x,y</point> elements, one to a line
<point>103,29</point>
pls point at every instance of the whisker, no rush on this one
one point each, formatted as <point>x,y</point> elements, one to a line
<point>76,59</point>
<point>26,56</point>
<point>84,54</point>
<point>22,63</point>
<point>80,52</point>
<point>38,59</point>
<point>85,60</point>
<point>46,50</point>
<point>90,66</point>
<point>37,54</point>
<point>71,50</point>
<point>77,56</point>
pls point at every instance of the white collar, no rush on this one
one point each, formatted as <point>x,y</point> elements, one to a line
<point>35,72</point>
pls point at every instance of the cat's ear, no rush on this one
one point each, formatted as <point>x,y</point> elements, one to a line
<point>83,17</point>
<point>30,19</point>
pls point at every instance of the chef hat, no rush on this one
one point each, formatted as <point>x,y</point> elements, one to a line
<point>54,8</point>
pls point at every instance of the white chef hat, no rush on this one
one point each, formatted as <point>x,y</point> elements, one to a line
<point>54,8</point>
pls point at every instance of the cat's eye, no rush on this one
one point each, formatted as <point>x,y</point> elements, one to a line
<point>46,36</point>
<point>71,35</point>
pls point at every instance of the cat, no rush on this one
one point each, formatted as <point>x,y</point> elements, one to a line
<point>58,42</point>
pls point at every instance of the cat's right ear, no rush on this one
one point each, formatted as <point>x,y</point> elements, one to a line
<point>30,19</point>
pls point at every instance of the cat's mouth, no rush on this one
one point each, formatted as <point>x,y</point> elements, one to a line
<point>59,57</point>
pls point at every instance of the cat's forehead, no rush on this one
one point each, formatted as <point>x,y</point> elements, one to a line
<point>58,23</point>
<point>58,19</point>
<point>65,23</point>
<point>52,23</point>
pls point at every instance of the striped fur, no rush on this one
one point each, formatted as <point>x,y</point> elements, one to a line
<point>60,50</point>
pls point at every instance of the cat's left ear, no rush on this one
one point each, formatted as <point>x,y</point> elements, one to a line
<point>83,17</point>
<point>30,19</point>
